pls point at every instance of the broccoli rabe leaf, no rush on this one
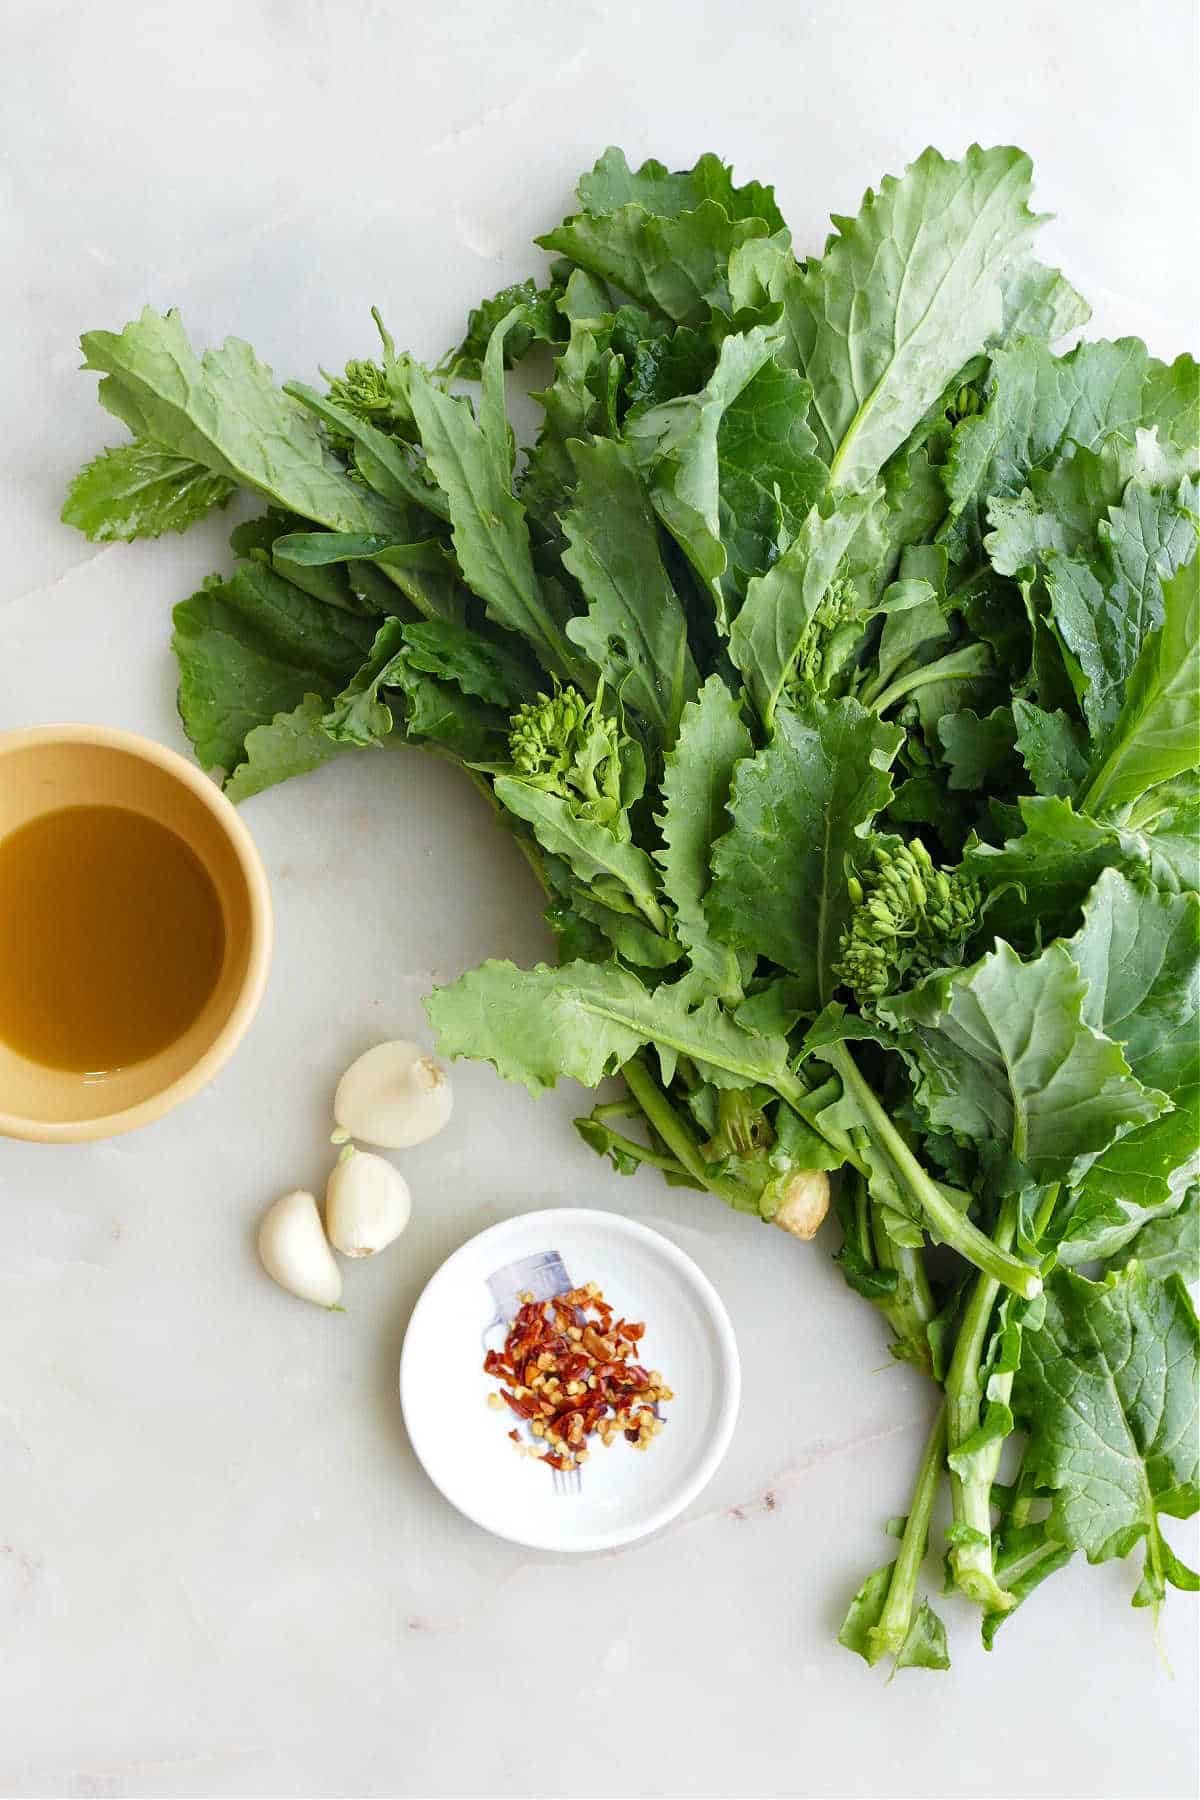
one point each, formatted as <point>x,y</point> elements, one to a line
<point>1171,403</point>
<point>1037,404</point>
<point>979,752</point>
<point>1040,302</point>
<point>904,294</point>
<point>1108,1390</point>
<point>1139,952</point>
<point>223,410</point>
<point>293,743</point>
<point>382,461</point>
<point>768,473</point>
<point>584,1020</point>
<point>674,263</point>
<point>255,646</point>
<point>1039,879</point>
<point>800,809</point>
<point>1052,746</point>
<point>539,321</point>
<point>1170,1245</point>
<point>440,714</point>
<point>677,445</point>
<point>611,864</point>
<point>914,627</point>
<point>580,403</point>
<point>424,571</point>
<point>697,776</point>
<point>1156,733</point>
<point>1104,605</point>
<point>634,941</point>
<point>924,1644</point>
<point>613,184</point>
<point>139,490</point>
<point>359,715</point>
<point>1135,1181</point>
<point>1007,1059</point>
<point>471,460</point>
<point>635,631</point>
<point>489,668</point>
<point>781,607</point>
<point>1024,1557</point>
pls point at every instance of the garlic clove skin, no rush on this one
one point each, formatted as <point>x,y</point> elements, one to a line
<point>367,1203</point>
<point>294,1252</point>
<point>394,1096</point>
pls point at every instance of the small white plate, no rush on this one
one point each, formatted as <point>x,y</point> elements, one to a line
<point>620,1493</point>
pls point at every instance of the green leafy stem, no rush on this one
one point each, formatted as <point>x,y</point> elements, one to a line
<point>943,1218</point>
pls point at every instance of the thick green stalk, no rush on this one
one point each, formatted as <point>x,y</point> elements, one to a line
<point>674,1133</point>
<point>971,1495</point>
<point>1092,802</point>
<point>817,1100</point>
<point>862,1219</point>
<point>1027,1565</point>
<point>888,1636</point>
<point>945,1221</point>
<point>642,1154</point>
<point>911,1308</point>
<point>917,678</point>
<point>624,1108</point>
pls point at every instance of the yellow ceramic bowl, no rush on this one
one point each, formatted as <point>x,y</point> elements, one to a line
<point>49,766</point>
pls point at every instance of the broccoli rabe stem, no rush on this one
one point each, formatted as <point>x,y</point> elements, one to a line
<point>640,1153</point>
<point>954,667</point>
<point>945,1221</point>
<point>980,1568</point>
<point>661,1115</point>
<point>909,1310</point>
<point>887,1637</point>
<point>971,1495</point>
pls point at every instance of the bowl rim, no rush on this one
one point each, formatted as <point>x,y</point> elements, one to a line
<point>260,945</point>
<point>693,1277</point>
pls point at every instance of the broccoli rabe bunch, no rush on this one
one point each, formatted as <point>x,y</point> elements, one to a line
<point>909,918</point>
<point>567,745</point>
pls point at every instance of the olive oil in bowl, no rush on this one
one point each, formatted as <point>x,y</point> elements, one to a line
<point>112,938</point>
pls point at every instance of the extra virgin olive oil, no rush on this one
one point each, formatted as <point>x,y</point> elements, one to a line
<point>111,938</point>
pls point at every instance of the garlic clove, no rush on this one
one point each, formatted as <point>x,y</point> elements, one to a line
<point>394,1096</point>
<point>294,1251</point>
<point>367,1203</point>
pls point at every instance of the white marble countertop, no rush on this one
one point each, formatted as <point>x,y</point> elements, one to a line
<point>221,1571</point>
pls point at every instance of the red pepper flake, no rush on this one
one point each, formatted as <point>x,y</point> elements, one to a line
<point>588,1382</point>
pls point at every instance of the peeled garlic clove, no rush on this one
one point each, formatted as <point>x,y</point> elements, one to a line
<point>394,1096</point>
<point>292,1246</point>
<point>367,1203</point>
<point>803,1202</point>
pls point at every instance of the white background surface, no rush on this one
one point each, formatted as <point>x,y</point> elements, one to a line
<point>221,1572</point>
